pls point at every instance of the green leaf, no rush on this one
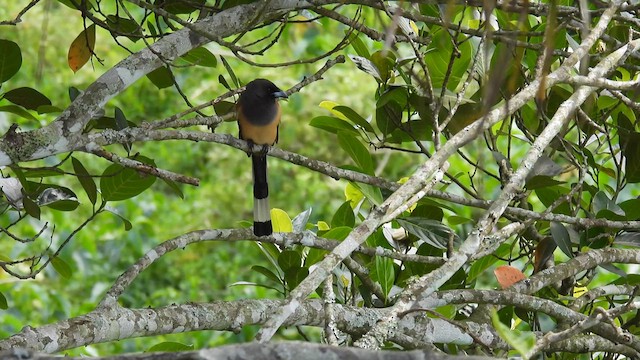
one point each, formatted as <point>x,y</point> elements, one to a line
<point>344,216</point>
<point>339,233</point>
<point>455,220</point>
<point>428,211</point>
<point>332,124</point>
<point>548,195</point>
<point>314,255</point>
<point>359,46</point>
<point>120,183</point>
<point>121,119</point>
<point>174,187</point>
<point>85,180</point>
<point>201,56</point>
<point>17,110</point>
<point>439,55</point>
<point>73,93</point>
<point>170,346</point>
<point>224,107</point>
<point>3,302</point>
<point>628,239</point>
<point>61,267</point>
<point>372,193</point>
<point>601,203</point>
<point>388,117</point>
<point>355,118</point>
<point>232,74</point>
<point>124,27</point>
<point>384,274</point>
<point>48,109</point>
<point>10,59</point>
<point>64,205</point>
<point>561,237</point>
<point>522,341</point>
<point>30,207</point>
<point>161,77</point>
<point>430,231</point>
<point>127,224</point>
<point>289,259</point>
<point>541,181</point>
<point>27,97</point>
<point>178,7</point>
<point>356,150</point>
<point>631,208</point>
<point>266,272</point>
<point>630,146</point>
<point>294,276</point>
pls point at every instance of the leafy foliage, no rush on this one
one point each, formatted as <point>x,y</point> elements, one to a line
<point>420,76</point>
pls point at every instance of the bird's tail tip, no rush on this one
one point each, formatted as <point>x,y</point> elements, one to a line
<point>262,228</point>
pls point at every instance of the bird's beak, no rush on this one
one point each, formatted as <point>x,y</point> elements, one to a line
<point>280,94</point>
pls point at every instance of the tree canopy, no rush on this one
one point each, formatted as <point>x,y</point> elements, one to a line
<point>451,179</point>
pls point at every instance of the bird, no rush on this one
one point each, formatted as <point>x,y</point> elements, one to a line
<point>259,113</point>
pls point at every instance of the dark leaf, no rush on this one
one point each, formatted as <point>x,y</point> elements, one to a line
<point>630,146</point>
<point>30,207</point>
<point>541,181</point>
<point>628,239</point>
<point>355,118</point>
<point>161,77</point>
<point>26,97</point>
<point>561,237</point>
<point>339,233</point>
<point>10,59</point>
<point>174,187</point>
<point>344,216</point>
<point>201,56</point>
<point>266,272</point>
<point>233,76</point>
<point>544,166</point>
<point>170,346</point>
<point>294,276</point>
<point>332,124</point>
<point>120,183</point>
<point>430,231</point>
<point>17,110</point>
<point>356,151</point>
<point>3,302</point>
<point>289,259</point>
<point>124,27</point>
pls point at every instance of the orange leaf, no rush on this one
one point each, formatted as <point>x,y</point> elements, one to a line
<point>508,275</point>
<point>81,48</point>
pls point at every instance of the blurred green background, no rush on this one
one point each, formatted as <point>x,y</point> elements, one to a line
<point>204,272</point>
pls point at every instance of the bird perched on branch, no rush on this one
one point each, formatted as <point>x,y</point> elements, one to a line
<point>258,120</point>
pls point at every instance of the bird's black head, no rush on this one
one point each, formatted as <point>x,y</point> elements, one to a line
<point>263,89</point>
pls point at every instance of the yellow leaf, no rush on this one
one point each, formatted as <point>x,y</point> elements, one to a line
<point>353,195</point>
<point>329,105</point>
<point>579,291</point>
<point>323,226</point>
<point>281,221</point>
<point>81,48</point>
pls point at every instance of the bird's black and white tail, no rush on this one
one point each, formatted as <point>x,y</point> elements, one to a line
<point>261,210</point>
